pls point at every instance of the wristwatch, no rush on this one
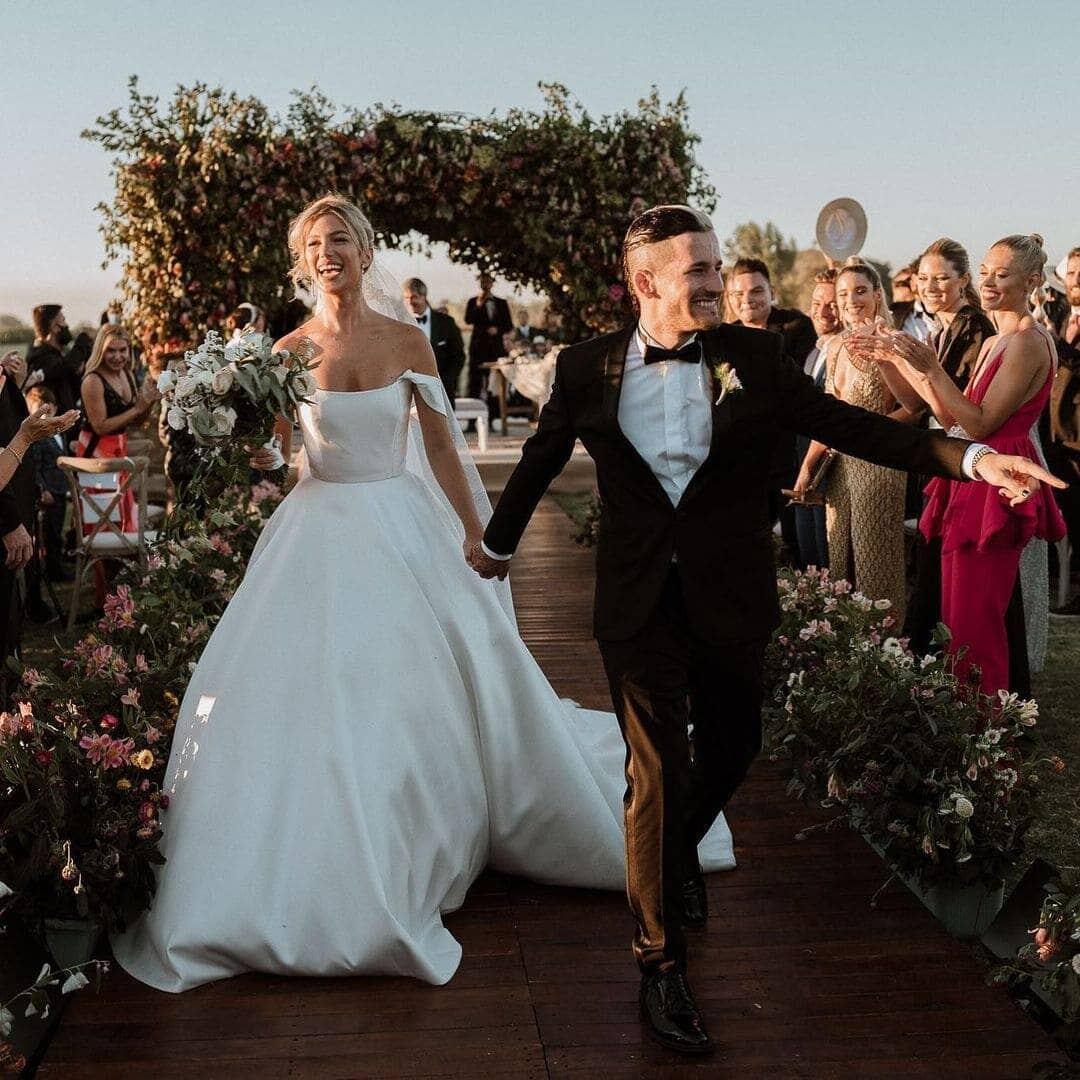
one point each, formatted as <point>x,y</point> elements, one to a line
<point>979,454</point>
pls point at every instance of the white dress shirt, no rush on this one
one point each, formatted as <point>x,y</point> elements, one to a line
<point>665,412</point>
<point>424,322</point>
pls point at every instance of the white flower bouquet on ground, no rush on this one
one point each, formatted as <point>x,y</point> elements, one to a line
<point>220,393</point>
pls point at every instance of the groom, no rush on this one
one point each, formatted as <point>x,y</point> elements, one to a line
<point>680,415</point>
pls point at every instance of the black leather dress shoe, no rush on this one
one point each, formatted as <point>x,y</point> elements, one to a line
<point>695,902</point>
<point>670,1016</point>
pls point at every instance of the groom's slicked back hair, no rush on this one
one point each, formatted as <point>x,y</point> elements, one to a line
<point>657,224</point>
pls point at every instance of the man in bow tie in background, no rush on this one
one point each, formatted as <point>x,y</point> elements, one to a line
<point>442,332</point>
<point>681,416</point>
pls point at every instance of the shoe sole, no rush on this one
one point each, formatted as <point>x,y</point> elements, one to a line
<point>677,1048</point>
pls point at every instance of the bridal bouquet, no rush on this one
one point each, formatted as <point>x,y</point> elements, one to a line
<point>222,392</point>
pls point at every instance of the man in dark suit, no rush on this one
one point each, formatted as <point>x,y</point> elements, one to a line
<point>810,531</point>
<point>489,317</point>
<point>681,415</point>
<point>62,371</point>
<point>442,332</point>
<point>752,303</point>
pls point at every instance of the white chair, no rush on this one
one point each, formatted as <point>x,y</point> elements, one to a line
<point>98,486</point>
<point>469,408</point>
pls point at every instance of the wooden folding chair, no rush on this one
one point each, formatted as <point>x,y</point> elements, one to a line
<point>98,487</point>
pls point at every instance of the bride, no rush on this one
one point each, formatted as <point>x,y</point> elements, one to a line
<point>366,731</point>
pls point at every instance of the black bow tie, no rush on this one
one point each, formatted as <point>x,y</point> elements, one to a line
<point>690,353</point>
<point>421,318</point>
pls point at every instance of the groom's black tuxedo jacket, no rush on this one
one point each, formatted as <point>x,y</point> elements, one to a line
<point>719,533</point>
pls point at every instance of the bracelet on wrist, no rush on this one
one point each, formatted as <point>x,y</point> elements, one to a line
<point>14,453</point>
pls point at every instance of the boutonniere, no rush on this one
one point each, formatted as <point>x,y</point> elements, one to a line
<point>725,378</point>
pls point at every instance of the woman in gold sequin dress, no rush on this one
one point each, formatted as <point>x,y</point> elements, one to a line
<point>864,510</point>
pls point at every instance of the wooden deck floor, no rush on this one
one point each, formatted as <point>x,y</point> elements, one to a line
<point>799,978</point>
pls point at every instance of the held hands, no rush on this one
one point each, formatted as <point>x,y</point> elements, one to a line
<point>15,366</point>
<point>1016,478</point>
<point>483,564</point>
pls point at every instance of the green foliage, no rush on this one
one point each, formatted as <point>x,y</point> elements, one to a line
<point>767,243</point>
<point>207,184</point>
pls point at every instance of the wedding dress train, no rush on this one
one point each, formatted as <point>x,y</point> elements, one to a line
<point>364,733</point>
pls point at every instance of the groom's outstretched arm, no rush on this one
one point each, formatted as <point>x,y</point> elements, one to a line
<point>542,459</point>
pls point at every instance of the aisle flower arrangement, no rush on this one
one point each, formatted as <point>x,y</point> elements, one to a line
<point>938,777</point>
<point>83,746</point>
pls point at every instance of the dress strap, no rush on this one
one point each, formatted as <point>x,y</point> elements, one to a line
<point>430,389</point>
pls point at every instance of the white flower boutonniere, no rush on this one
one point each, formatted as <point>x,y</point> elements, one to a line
<point>726,379</point>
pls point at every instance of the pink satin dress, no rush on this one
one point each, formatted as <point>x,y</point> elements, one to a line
<point>983,537</point>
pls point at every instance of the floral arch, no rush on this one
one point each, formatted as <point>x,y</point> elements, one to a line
<point>206,186</point>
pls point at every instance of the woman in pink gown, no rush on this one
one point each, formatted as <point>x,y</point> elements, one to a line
<point>982,534</point>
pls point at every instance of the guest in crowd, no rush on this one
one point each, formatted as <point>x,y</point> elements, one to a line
<point>864,503</point>
<point>489,317</point>
<point>61,370</point>
<point>112,403</point>
<point>947,294</point>
<point>443,333</point>
<point>751,302</point>
<point>246,319</point>
<point>908,310</point>
<point>982,536</point>
<point>523,331</point>
<point>18,502</point>
<point>52,485</point>
<point>810,531</point>
<point>1063,446</point>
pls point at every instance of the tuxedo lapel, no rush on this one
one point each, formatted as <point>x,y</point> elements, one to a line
<point>614,366</point>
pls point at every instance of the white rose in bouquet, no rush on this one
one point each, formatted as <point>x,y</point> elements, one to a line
<point>177,419</point>
<point>222,381</point>
<point>186,385</point>
<point>166,381</point>
<point>222,421</point>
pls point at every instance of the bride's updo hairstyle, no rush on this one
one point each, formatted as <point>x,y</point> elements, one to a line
<point>356,225</point>
<point>1028,249</point>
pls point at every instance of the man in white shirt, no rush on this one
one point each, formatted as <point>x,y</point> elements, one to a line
<point>681,415</point>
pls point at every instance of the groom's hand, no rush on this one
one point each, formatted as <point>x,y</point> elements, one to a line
<point>1017,478</point>
<point>486,566</point>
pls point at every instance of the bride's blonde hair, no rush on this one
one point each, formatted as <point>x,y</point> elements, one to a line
<point>356,225</point>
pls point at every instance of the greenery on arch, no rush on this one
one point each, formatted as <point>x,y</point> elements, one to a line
<point>207,183</point>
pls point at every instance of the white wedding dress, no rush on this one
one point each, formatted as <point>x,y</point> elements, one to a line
<point>364,733</point>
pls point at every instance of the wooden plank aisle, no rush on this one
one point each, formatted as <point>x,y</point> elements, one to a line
<point>798,976</point>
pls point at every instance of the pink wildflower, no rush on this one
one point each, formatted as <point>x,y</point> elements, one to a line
<point>131,697</point>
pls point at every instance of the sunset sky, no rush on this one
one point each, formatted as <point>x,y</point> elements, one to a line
<point>939,119</point>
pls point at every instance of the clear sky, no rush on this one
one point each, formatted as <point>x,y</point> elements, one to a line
<point>939,118</point>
